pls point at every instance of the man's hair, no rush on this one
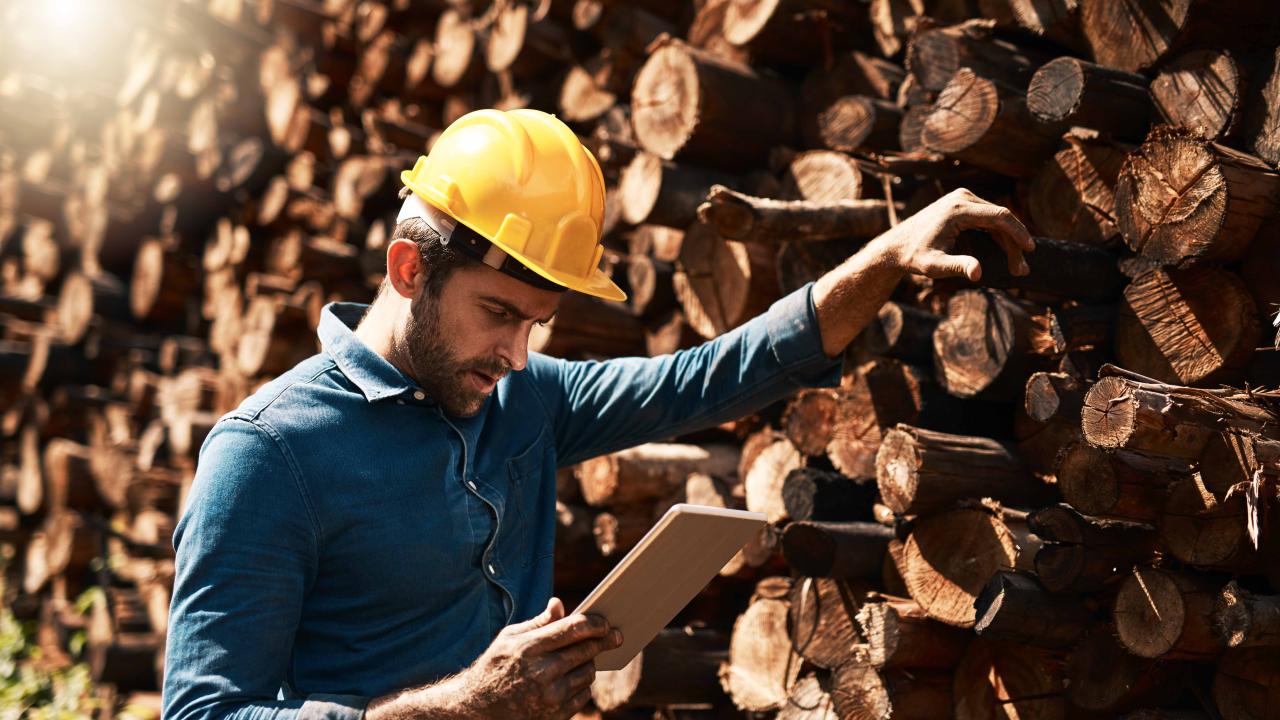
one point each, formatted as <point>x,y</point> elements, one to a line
<point>439,261</point>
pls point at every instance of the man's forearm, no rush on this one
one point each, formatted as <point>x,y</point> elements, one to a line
<point>848,297</point>
<point>438,701</point>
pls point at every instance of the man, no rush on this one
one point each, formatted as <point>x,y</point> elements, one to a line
<point>363,531</point>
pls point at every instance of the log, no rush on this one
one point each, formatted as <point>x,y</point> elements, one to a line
<point>275,336</point>
<point>1073,195</point>
<point>821,176</point>
<point>649,281</point>
<point>1200,90</point>
<point>845,550</point>
<point>678,667</point>
<point>855,122</point>
<point>863,693</point>
<point>936,56</point>
<point>85,296</point>
<point>945,576</point>
<point>1049,421</point>
<point>1103,677</point>
<point>692,106</point>
<point>663,193</point>
<point>1006,680</point>
<point>1059,269</point>
<point>458,63</point>
<point>1134,36</point>
<point>1077,92</point>
<point>1163,419</point>
<point>810,699</point>
<point>1260,130</point>
<point>982,347</point>
<point>759,669</point>
<point>1166,614</point>
<point>902,332</point>
<point>979,122</point>
<point>617,533</point>
<point>1202,531</point>
<point>1243,619</point>
<point>1056,20</point>
<point>1081,554</point>
<point>163,281</point>
<point>1014,607</point>
<point>810,418</point>
<point>767,459</point>
<point>649,472</point>
<point>748,218</point>
<point>812,494</point>
<point>1221,199</point>
<point>526,41</point>
<point>722,283</point>
<point>922,471</point>
<point>821,618</point>
<point>1244,684</point>
<point>1187,326</point>
<point>789,32</point>
<point>899,634</point>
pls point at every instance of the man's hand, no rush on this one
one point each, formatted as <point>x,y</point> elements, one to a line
<point>849,296</point>
<point>539,669</point>
<point>922,243</point>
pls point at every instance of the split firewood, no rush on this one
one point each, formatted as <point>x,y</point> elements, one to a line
<point>1072,197</point>
<point>748,218</point>
<point>1059,270</point>
<point>1201,90</point>
<point>1182,200</point>
<point>821,619</point>
<point>1166,614</point>
<point>1014,607</point>
<point>1081,554</point>
<point>1077,92</point>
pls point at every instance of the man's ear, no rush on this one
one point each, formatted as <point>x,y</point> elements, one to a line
<point>404,268</point>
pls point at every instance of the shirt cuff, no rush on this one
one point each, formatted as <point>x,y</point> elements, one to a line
<point>324,706</point>
<point>796,342</point>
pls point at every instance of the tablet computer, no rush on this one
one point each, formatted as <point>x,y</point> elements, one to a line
<point>671,564</point>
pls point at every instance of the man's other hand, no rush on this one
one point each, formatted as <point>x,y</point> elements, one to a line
<point>923,243</point>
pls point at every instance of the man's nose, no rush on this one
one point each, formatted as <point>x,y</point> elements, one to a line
<point>516,351</point>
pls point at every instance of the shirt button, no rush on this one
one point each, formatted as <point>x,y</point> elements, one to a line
<point>419,395</point>
<point>471,485</point>
<point>491,570</point>
<point>399,402</point>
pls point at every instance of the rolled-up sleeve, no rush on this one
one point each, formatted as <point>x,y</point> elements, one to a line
<point>597,407</point>
<point>247,551</point>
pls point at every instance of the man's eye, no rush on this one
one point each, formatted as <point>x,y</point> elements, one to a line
<point>497,313</point>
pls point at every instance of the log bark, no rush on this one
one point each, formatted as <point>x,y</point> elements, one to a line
<point>1077,92</point>
<point>1059,269</point>
<point>846,550</point>
<point>812,494</point>
<point>1261,127</point>
<point>663,193</point>
<point>1081,554</point>
<point>748,218</point>
<point>1166,614</point>
<point>922,471</point>
<point>692,106</point>
<point>1181,200</point>
<point>649,472</point>
<point>722,283</point>
<point>899,634</point>
<point>902,332</point>
<point>1073,195</point>
<point>1191,326</point>
<point>979,122</point>
<point>678,667</point>
<point>1014,607</point>
<point>1056,20</point>
<point>944,576</point>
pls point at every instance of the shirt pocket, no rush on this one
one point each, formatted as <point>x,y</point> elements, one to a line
<point>530,531</point>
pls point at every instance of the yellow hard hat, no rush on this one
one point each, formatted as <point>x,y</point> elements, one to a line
<point>521,180</point>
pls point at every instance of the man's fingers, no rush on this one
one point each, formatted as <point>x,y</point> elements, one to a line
<point>581,677</point>
<point>577,702</point>
<point>1007,230</point>
<point>554,611</point>
<point>937,264</point>
<point>567,631</point>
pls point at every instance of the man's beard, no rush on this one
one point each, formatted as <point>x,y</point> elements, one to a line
<point>424,350</point>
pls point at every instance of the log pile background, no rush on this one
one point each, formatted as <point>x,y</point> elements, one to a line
<point>1049,496</point>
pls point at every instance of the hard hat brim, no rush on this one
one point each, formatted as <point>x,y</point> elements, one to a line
<point>597,284</point>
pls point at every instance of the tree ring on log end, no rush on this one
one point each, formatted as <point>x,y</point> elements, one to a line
<point>950,557</point>
<point>1149,613</point>
<point>665,101</point>
<point>964,111</point>
<point>1087,480</point>
<point>897,464</point>
<point>1059,78</point>
<point>1109,413</point>
<point>745,19</point>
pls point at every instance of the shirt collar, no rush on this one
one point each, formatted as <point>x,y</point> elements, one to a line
<point>373,374</point>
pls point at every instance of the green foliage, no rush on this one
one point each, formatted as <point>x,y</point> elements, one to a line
<point>29,689</point>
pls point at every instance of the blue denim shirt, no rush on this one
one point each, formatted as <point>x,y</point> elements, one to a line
<point>344,538</point>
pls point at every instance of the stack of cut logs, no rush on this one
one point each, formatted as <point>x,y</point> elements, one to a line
<point>1043,496</point>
